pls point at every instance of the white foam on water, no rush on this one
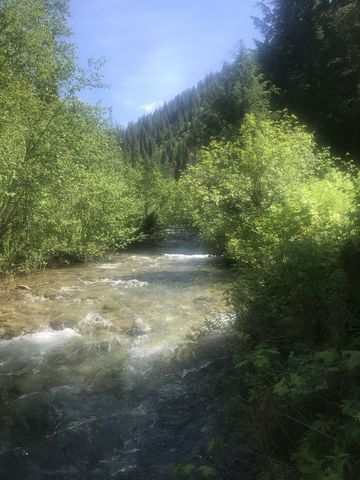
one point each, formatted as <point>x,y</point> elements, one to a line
<point>47,336</point>
<point>182,256</point>
<point>149,351</point>
<point>30,297</point>
<point>139,328</point>
<point>74,288</point>
<point>35,298</point>
<point>94,321</point>
<point>126,284</point>
<point>186,371</point>
<point>29,349</point>
<point>126,468</point>
<point>141,257</point>
<point>76,301</point>
<point>92,301</point>
<point>134,283</point>
<point>151,260</point>
<point>225,319</point>
<point>219,322</point>
<point>108,266</point>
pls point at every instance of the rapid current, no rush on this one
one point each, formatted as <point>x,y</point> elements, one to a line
<point>108,370</point>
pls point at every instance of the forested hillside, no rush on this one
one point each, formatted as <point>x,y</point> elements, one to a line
<point>309,56</point>
<point>215,108</point>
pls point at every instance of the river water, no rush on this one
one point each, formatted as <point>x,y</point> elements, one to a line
<point>108,370</point>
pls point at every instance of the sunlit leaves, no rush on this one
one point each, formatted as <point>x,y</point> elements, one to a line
<point>285,214</point>
<point>64,190</point>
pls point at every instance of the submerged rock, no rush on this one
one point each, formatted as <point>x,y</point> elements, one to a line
<point>139,328</point>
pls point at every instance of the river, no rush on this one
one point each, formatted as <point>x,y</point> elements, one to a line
<point>109,370</point>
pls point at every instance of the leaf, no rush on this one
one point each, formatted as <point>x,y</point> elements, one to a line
<point>352,358</point>
<point>207,471</point>
<point>327,356</point>
<point>187,469</point>
<point>215,444</point>
<point>183,471</point>
<point>281,388</point>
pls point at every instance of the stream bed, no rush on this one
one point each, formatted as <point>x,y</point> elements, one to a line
<point>108,370</point>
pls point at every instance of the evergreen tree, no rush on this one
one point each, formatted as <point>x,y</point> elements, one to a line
<point>214,108</point>
<point>311,51</point>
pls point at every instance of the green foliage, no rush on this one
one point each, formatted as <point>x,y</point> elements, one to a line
<point>256,189</point>
<point>183,472</point>
<point>265,196</point>
<point>33,48</point>
<point>207,471</point>
<point>215,445</point>
<point>284,213</point>
<point>71,198</point>
<point>65,190</point>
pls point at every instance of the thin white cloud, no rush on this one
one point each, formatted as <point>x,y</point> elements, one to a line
<point>151,107</point>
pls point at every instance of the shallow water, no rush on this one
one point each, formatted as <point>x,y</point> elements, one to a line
<point>108,370</point>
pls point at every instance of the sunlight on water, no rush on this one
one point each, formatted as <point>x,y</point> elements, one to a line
<point>99,363</point>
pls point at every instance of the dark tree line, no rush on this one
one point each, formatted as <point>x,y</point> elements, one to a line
<point>311,51</point>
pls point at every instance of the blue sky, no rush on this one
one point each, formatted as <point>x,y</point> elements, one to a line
<point>156,48</point>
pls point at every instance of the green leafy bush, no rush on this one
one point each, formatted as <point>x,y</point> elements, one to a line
<point>282,210</point>
<point>66,192</point>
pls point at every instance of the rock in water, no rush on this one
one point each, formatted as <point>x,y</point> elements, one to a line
<point>139,328</point>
